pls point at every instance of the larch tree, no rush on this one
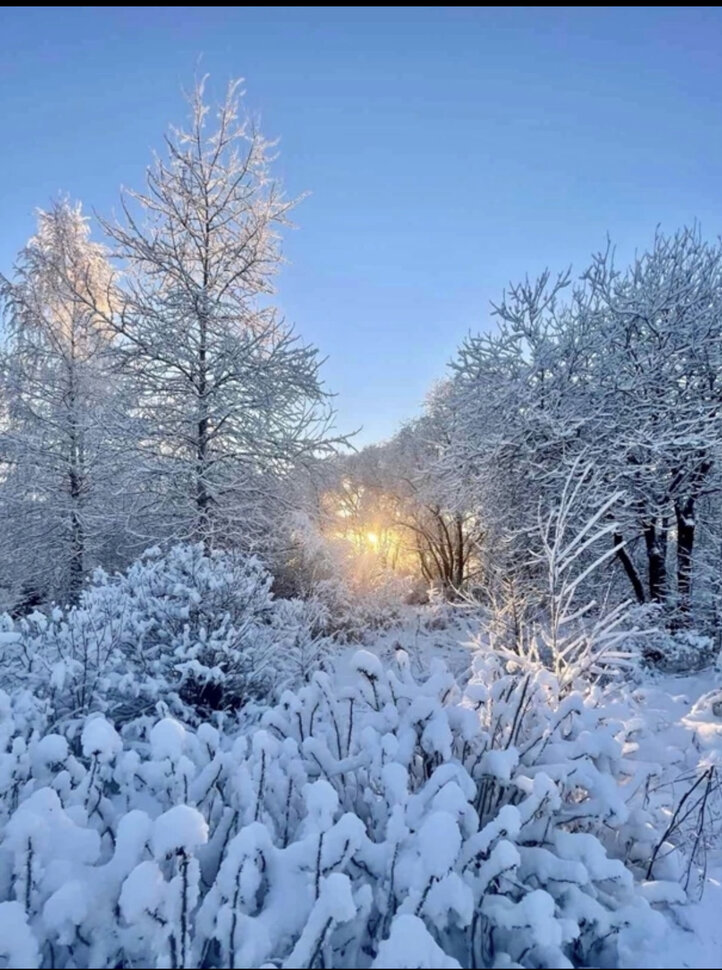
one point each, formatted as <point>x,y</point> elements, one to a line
<point>59,450</point>
<point>229,398</point>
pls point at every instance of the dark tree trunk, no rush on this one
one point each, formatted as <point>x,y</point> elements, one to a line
<point>77,539</point>
<point>202,496</point>
<point>460,552</point>
<point>76,464</point>
<point>684,511</point>
<point>629,568</point>
<point>655,537</point>
<point>203,499</point>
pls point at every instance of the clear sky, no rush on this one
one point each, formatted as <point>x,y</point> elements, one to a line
<point>446,150</point>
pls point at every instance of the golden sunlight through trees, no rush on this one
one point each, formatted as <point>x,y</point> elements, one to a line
<point>365,520</point>
<point>380,531</point>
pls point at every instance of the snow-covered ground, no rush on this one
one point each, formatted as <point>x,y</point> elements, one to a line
<point>695,937</point>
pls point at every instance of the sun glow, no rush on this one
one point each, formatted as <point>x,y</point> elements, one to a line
<point>381,544</point>
<point>362,521</point>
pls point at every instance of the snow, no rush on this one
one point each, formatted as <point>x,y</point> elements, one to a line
<point>413,645</point>
<point>18,947</point>
<point>180,829</point>
<point>100,739</point>
<point>42,822</point>
<point>695,937</point>
<point>52,749</point>
<point>663,891</point>
<point>322,804</point>
<point>143,891</point>
<point>439,843</point>
<point>367,663</point>
<point>677,718</point>
<point>257,747</point>
<point>167,739</point>
<point>334,905</point>
<point>500,764</point>
<point>66,909</point>
<point>411,945</point>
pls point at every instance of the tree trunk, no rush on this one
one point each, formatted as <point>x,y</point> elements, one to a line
<point>684,511</point>
<point>203,499</point>
<point>460,552</point>
<point>77,538</point>
<point>202,496</point>
<point>629,568</point>
<point>76,570</point>
<point>655,537</point>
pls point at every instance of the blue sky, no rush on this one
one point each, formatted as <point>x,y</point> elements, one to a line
<point>446,150</point>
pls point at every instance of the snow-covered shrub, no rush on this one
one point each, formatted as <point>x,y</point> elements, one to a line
<point>679,651</point>
<point>201,632</point>
<point>682,796</point>
<point>356,613</point>
<point>553,617</point>
<point>665,641</point>
<point>385,822</point>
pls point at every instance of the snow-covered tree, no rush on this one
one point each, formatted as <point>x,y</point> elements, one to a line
<point>507,426</point>
<point>620,370</point>
<point>230,398</point>
<point>61,448</point>
<point>660,376</point>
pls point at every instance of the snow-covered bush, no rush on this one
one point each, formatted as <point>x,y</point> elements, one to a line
<point>555,617</point>
<point>199,632</point>
<point>357,612</point>
<point>679,651</point>
<point>383,822</point>
<point>665,641</point>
